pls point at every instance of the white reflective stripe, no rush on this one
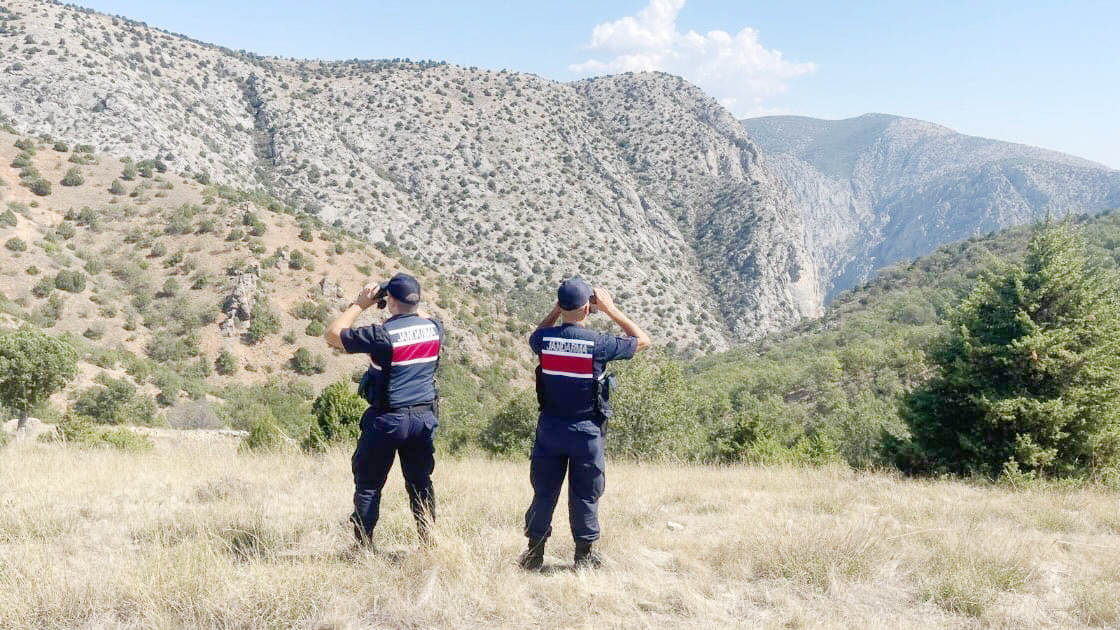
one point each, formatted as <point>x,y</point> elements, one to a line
<point>413,334</point>
<point>375,366</point>
<point>413,342</point>
<point>411,361</point>
<point>563,340</point>
<point>568,374</point>
<point>395,331</point>
<point>557,353</point>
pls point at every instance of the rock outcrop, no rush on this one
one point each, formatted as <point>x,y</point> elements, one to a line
<point>238,306</point>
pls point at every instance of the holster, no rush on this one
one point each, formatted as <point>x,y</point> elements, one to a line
<point>603,386</point>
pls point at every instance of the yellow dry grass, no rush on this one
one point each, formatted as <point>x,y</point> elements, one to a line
<point>194,535</point>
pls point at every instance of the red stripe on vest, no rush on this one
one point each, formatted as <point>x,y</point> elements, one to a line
<point>561,363</point>
<point>422,350</point>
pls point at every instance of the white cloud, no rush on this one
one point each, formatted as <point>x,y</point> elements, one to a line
<point>735,69</point>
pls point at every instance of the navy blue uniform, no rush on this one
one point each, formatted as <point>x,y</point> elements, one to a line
<point>400,387</point>
<point>570,429</point>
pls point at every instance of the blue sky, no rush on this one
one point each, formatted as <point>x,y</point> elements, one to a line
<point>1040,73</point>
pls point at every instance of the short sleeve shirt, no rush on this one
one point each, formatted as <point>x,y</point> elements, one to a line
<point>572,361</point>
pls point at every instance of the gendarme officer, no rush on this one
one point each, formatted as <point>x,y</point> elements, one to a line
<point>400,388</point>
<point>574,406</point>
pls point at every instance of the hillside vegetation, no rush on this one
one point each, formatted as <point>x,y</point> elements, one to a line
<point>835,385</point>
<point>179,293</point>
<point>185,294</point>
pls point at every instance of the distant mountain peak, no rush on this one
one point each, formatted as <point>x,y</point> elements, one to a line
<point>876,189</point>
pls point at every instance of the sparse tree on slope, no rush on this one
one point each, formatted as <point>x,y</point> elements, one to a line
<point>1029,371</point>
<point>32,367</point>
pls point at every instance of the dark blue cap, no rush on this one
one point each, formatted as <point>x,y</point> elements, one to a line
<point>404,288</point>
<point>573,293</point>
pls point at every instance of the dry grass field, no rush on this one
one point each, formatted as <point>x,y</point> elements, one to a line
<point>195,535</point>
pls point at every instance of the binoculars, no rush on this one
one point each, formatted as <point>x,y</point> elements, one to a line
<point>382,291</point>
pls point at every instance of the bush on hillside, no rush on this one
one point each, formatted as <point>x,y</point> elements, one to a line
<point>765,432</point>
<point>167,345</point>
<point>66,230</point>
<point>305,363</point>
<point>510,431</point>
<point>70,281</point>
<point>170,289</point>
<point>47,314</point>
<point>170,383</point>
<point>128,440</point>
<point>226,363</point>
<point>256,226</point>
<point>265,322</point>
<point>43,288</point>
<point>73,177</point>
<point>265,436</point>
<point>337,415</point>
<point>655,413</point>
<point>115,401</point>
<point>39,186</point>
<point>469,395</point>
<point>23,162</point>
<point>82,432</point>
<point>299,260</point>
<point>288,403</point>
<point>311,310</point>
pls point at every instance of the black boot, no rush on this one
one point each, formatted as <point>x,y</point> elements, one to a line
<point>586,557</point>
<point>532,559</point>
<point>362,537</point>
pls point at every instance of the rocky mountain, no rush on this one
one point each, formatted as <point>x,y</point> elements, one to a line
<point>501,182</point>
<point>877,189</point>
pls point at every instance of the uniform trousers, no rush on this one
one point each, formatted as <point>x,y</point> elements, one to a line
<point>574,447</point>
<point>410,432</point>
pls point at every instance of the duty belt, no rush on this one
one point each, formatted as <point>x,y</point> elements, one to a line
<point>424,406</point>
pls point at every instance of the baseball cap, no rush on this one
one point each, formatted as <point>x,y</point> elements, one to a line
<point>404,288</point>
<point>573,293</point>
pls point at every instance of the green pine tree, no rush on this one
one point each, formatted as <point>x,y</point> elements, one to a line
<point>337,416</point>
<point>1029,376</point>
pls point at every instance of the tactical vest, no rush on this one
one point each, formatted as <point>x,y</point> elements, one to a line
<point>406,376</point>
<point>570,383</point>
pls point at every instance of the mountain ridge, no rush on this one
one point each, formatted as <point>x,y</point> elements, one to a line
<point>503,182</point>
<point>878,189</point>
